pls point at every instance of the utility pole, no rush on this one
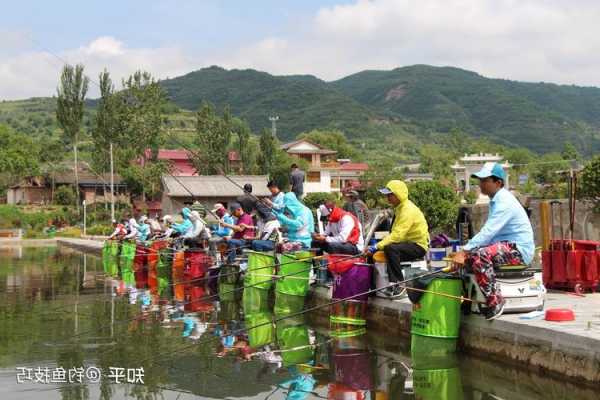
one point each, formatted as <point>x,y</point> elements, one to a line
<point>112,185</point>
<point>274,119</point>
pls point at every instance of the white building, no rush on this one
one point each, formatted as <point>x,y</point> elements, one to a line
<point>471,163</point>
<point>325,172</point>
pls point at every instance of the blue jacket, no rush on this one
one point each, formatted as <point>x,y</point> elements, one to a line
<point>143,231</point>
<point>507,222</point>
<point>300,224</point>
<point>224,231</point>
<point>278,202</point>
<point>186,225</point>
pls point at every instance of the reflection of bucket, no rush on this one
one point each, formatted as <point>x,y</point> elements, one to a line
<point>128,254</point>
<point>255,300</point>
<point>354,368</point>
<point>351,312</point>
<point>227,292</point>
<point>140,267</point>
<point>437,378</point>
<point>296,266</point>
<point>295,344</point>
<point>163,270</point>
<point>435,315</point>
<point>261,266</point>
<point>178,271</point>
<point>287,304</point>
<point>229,274</point>
<point>260,328</point>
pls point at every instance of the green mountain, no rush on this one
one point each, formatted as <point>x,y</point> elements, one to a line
<point>302,102</point>
<point>379,107</point>
<point>539,116</point>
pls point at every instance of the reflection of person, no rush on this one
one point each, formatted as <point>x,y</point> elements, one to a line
<point>506,237</point>
<point>343,234</point>
<point>408,239</point>
<point>299,386</point>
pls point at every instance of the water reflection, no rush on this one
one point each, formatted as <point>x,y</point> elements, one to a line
<point>58,309</point>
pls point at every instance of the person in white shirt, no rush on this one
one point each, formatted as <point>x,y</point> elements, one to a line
<point>343,234</point>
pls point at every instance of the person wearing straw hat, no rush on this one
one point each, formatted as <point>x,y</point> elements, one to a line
<point>355,206</point>
<point>225,218</point>
<point>506,238</point>
<point>408,239</point>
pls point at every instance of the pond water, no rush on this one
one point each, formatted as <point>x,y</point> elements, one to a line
<point>68,332</point>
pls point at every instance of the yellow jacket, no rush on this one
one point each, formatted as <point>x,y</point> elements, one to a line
<point>409,222</point>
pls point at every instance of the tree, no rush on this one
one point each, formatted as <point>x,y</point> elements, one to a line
<point>570,152</point>
<point>244,146</point>
<point>331,139</point>
<point>213,136</point>
<point>105,130</point>
<point>69,108</point>
<point>436,160</point>
<point>269,146</point>
<point>131,119</point>
<point>19,157</point>
<point>590,181</point>
<point>377,176</point>
<point>438,202</point>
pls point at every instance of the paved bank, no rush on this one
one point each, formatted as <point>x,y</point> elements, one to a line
<point>567,349</point>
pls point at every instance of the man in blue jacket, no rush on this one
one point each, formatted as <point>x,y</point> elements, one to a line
<point>505,239</point>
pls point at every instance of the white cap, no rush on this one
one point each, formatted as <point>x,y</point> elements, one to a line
<point>324,210</point>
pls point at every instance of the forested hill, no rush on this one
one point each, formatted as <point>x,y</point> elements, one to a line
<point>371,104</point>
<point>540,116</point>
<point>302,102</point>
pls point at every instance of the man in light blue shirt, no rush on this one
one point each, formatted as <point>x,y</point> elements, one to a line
<point>505,239</point>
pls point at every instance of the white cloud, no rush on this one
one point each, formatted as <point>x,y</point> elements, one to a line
<point>517,39</point>
<point>35,73</point>
<point>553,41</point>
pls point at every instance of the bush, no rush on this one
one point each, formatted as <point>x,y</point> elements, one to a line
<point>64,195</point>
<point>99,230</point>
<point>70,232</point>
<point>439,203</point>
<point>314,200</point>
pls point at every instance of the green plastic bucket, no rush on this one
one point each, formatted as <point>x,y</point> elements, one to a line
<point>435,315</point>
<point>127,256</point>
<point>295,267</point>
<point>260,328</point>
<point>294,344</point>
<point>261,266</point>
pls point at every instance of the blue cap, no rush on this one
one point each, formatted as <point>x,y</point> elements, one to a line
<point>490,169</point>
<point>385,191</point>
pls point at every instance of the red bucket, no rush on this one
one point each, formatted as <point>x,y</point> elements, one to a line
<point>547,267</point>
<point>574,265</point>
<point>559,267</point>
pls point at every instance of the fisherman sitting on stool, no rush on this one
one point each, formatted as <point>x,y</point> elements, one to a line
<point>243,231</point>
<point>505,239</point>
<point>408,239</point>
<point>343,234</point>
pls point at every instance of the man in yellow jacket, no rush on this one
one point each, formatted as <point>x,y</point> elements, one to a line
<point>408,239</point>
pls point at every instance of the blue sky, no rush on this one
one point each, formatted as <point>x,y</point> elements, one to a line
<point>530,40</point>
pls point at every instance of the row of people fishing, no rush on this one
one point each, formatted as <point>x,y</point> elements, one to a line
<point>284,223</point>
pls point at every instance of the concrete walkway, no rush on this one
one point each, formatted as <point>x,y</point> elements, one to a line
<point>566,349</point>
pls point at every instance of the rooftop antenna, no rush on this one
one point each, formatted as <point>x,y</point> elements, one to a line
<point>274,119</point>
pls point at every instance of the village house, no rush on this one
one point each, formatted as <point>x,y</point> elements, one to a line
<point>182,191</point>
<point>325,172</point>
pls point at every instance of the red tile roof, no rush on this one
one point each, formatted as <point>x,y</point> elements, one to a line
<point>354,166</point>
<point>164,154</point>
<point>233,156</point>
